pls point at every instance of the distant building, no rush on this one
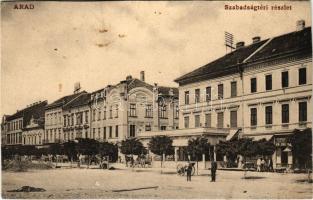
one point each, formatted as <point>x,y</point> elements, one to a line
<point>33,133</point>
<point>76,118</point>
<point>132,106</point>
<point>54,122</point>
<point>16,127</point>
<point>262,90</point>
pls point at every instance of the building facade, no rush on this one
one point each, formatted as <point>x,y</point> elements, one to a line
<point>16,127</point>
<point>123,110</point>
<point>262,90</point>
<point>76,118</point>
<point>54,119</point>
<point>33,133</point>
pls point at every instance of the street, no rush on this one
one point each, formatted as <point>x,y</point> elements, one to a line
<point>150,183</point>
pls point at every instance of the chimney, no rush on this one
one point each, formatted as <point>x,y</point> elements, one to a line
<point>129,77</point>
<point>300,25</point>
<point>256,39</point>
<point>77,87</point>
<point>240,44</point>
<point>142,76</point>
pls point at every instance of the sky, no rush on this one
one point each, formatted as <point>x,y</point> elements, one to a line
<point>46,50</point>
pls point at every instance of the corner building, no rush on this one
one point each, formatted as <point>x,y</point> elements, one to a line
<point>260,90</point>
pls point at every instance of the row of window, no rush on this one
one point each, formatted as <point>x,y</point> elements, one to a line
<point>15,125</point>
<point>53,118</point>
<point>284,114</point>
<point>14,138</point>
<point>253,116</point>
<point>208,120</point>
<point>149,111</point>
<point>253,86</point>
<point>98,116</point>
<point>81,118</point>
<point>284,80</point>
<point>208,93</point>
<point>32,140</point>
<point>110,132</point>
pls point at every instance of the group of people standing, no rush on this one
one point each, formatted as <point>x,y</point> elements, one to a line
<point>213,171</point>
<point>264,165</point>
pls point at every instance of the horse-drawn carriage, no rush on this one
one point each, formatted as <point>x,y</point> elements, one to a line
<point>182,168</point>
<point>142,161</point>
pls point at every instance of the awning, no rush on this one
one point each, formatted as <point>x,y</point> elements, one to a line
<point>287,149</point>
<point>260,137</point>
<point>232,134</point>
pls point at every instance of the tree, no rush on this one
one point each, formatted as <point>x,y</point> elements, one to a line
<point>87,146</point>
<point>108,149</point>
<point>161,145</point>
<point>197,147</point>
<point>301,142</point>
<point>265,148</point>
<point>70,150</point>
<point>132,146</point>
<point>246,147</point>
<point>228,149</point>
<point>55,149</point>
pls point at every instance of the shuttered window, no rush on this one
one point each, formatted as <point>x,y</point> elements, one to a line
<point>233,118</point>
<point>186,122</point>
<point>233,89</point>
<point>284,79</point>
<point>208,120</point>
<point>220,91</point>
<point>208,94</point>
<point>253,116</point>
<point>253,85</point>
<point>302,111</point>
<point>285,113</point>
<point>268,115</point>
<point>197,121</point>
<point>220,120</point>
<point>302,76</point>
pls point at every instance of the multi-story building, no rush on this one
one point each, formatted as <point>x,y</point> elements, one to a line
<point>132,106</point>
<point>16,127</point>
<point>54,122</point>
<point>4,129</point>
<point>33,133</point>
<point>250,92</point>
<point>76,118</point>
<point>277,83</point>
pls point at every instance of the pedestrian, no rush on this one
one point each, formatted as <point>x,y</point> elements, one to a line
<point>189,169</point>
<point>258,164</point>
<point>262,164</point>
<point>270,165</point>
<point>213,170</point>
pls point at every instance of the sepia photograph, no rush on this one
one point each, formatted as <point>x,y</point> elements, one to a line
<point>156,100</point>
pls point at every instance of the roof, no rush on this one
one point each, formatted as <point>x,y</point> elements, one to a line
<point>64,100</point>
<point>81,100</point>
<point>166,90</point>
<point>133,83</point>
<point>37,111</point>
<point>222,66</point>
<point>298,41</point>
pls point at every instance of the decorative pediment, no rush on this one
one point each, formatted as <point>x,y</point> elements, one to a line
<point>140,95</point>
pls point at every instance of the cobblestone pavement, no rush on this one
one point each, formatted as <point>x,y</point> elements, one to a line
<point>150,183</point>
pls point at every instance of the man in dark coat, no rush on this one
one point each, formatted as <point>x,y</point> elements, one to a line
<point>213,170</point>
<point>189,169</point>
